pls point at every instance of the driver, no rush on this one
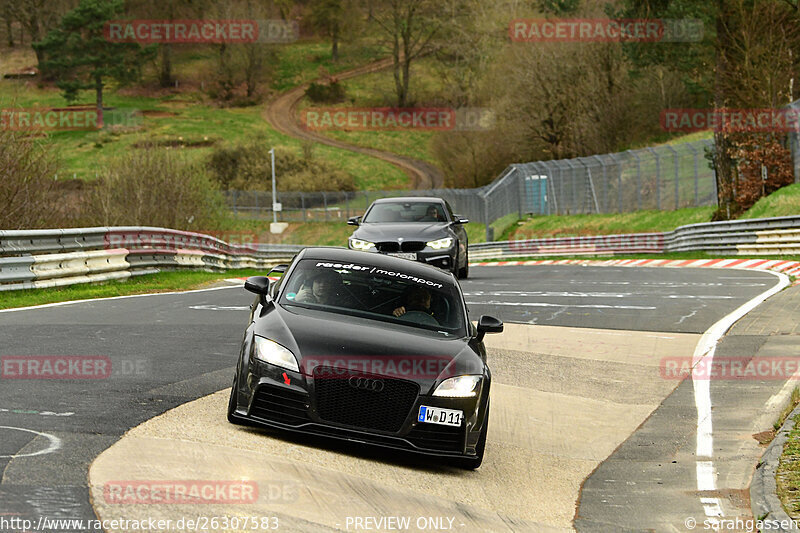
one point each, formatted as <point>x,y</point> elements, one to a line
<point>433,214</point>
<point>325,288</point>
<point>418,299</point>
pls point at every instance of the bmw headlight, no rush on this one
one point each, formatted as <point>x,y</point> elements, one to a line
<point>358,244</point>
<point>458,387</point>
<point>273,353</point>
<point>440,244</point>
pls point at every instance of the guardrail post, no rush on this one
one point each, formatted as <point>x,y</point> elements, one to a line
<point>638,179</point>
<point>303,206</point>
<point>325,204</point>
<point>489,232</point>
<point>677,191</point>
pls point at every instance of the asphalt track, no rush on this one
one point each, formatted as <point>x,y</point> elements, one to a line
<point>167,350</point>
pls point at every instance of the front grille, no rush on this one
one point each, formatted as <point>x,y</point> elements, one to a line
<point>388,247</point>
<point>280,405</point>
<point>413,246</point>
<point>436,437</point>
<point>339,402</point>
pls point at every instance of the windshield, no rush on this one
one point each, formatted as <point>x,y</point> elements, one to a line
<point>391,212</point>
<point>376,293</point>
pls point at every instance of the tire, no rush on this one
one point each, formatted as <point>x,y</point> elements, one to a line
<point>463,273</point>
<point>232,418</point>
<point>472,463</point>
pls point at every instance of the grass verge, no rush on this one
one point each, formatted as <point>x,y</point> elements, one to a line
<point>606,224</point>
<point>788,475</point>
<point>781,203</point>
<point>151,283</point>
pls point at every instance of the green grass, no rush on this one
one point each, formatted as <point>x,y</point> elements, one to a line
<point>85,153</point>
<point>377,90</point>
<point>781,203</point>
<point>604,224</point>
<point>302,62</point>
<point>788,475</point>
<point>151,283</point>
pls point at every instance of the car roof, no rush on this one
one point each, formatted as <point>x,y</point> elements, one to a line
<point>344,255</point>
<point>409,199</point>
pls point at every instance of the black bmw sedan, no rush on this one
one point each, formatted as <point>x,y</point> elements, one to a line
<point>366,348</point>
<point>419,228</point>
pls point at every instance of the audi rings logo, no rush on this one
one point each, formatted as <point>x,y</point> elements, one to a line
<point>374,385</point>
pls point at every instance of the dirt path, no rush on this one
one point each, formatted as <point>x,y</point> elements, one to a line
<point>281,113</point>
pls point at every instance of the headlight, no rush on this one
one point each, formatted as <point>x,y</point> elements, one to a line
<point>458,387</point>
<point>273,353</point>
<point>358,244</point>
<point>441,243</point>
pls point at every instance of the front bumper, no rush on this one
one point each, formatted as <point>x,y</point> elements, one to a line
<point>444,259</point>
<point>293,407</point>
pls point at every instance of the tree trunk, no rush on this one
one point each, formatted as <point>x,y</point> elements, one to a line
<point>165,77</point>
<point>98,87</point>
<point>723,164</point>
<point>9,29</point>
<point>335,43</point>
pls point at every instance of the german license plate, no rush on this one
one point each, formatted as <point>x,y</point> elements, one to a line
<point>405,255</point>
<point>437,415</point>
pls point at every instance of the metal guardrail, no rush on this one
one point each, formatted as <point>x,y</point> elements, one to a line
<point>49,258</point>
<point>58,257</point>
<point>764,236</point>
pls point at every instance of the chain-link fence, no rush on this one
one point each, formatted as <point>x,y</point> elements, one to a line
<point>659,178</point>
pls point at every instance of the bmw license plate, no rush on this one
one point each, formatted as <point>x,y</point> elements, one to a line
<point>405,255</point>
<point>437,415</point>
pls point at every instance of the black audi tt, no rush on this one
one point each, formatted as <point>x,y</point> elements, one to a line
<point>418,228</point>
<point>367,348</point>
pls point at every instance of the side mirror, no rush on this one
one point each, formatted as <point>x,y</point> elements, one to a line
<point>258,285</point>
<point>460,219</point>
<point>488,324</point>
<point>354,221</point>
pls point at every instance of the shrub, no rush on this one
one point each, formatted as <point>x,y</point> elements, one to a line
<point>250,168</point>
<point>155,187</point>
<point>331,93</point>
<point>27,172</point>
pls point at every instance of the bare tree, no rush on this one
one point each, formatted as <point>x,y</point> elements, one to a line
<point>410,27</point>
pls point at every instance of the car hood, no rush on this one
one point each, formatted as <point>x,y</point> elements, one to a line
<point>418,231</point>
<point>319,338</point>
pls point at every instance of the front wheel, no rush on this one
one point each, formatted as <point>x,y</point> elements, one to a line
<point>464,272</point>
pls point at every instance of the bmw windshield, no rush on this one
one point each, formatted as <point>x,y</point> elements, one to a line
<point>405,212</point>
